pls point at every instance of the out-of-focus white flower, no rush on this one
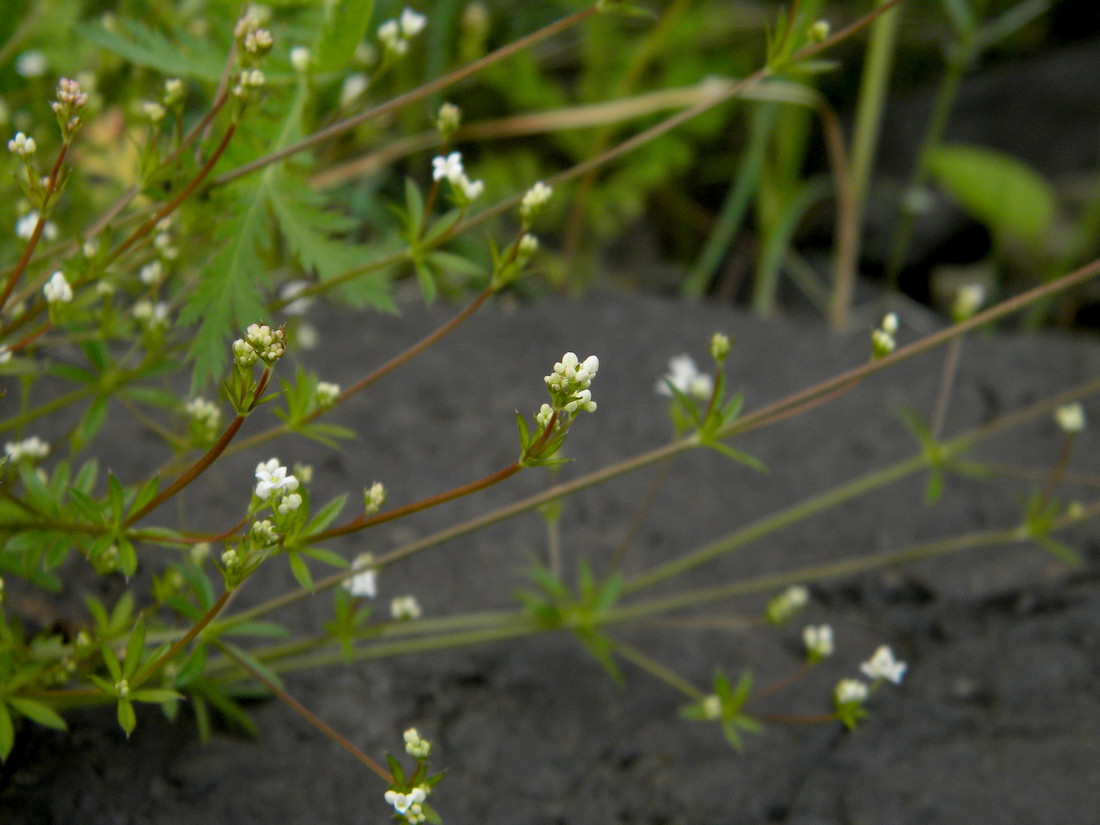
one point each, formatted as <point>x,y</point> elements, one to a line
<point>354,85</point>
<point>364,584</point>
<point>412,23</point>
<point>31,64</point>
<point>449,167</point>
<point>405,608</point>
<point>57,289</point>
<point>29,448</point>
<point>883,665</point>
<point>1070,417</point>
<point>300,58</point>
<point>850,690</point>
<point>687,378</point>
<point>818,640</point>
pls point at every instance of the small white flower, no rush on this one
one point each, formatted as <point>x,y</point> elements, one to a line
<point>173,91</point>
<point>151,273</point>
<point>890,323</point>
<point>449,167</point>
<point>528,245</point>
<point>300,58</point>
<point>818,640</point>
<point>712,707</point>
<point>29,448</point>
<point>5,355</point>
<point>470,189</point>
<point>405,608</point>
<point>326,393</point>
<point>534,201</point>
<point>152,315</point>
<point>24,227</point>
<point>354,85</point>
<point>412,23</point>
<point>850,690</point>
<point>153,110</point>
<point>365,582</point>
<point>883,665</point>
<point>687,378</point>
<point>274,479</point>
<point>57,289</point>
<point>402,803</point>
<point>22,145</point>
<point>289,503</point>
<point>31,64</point>
<point>417,747</point>
<point>1070,417</point>
<point>390,34</point>
<point>374,497</point>
<point>781,608</point>
<point>968,299</point>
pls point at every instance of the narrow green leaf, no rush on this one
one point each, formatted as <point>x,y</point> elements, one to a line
<point>343,25</point>
<point>7,732</point>
<point>300,570</point>
<point>255,664</point>
<point>156,695</point>
<point>127,719</point>
<point>135,647</point>
<point>326,515</point>
<point>37,712</point>
<point>116,498</point>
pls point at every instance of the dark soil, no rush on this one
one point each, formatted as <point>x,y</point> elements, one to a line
<point>998,720</point>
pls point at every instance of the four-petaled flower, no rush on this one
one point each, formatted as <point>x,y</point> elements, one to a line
<point>274,479</point>
<point>883,665</point>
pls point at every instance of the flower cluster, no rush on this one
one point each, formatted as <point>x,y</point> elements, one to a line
<point>150,314</point>
<point>849,694</point>
<point>1070,418</point>
<point>261,342</point>
<point>395,34</point>
<point>882,339</point>
<point>57,289</point>
<point>326,393</point>
<point>274,480</point>
<point>70,100</point>
<point>687,378</point>
<point>205,417</point>
<point>569,383</point>
<point>364,583</point>
<point>449,168</point>
<point>24,227</point>
<point>818,640</point>
<point>787,604</point>
<point>405,608</point>
<point>534,202</point>
<point>448,120</point>
<point>417,746</point>
<point>22,145</point>
<point>409,805</point>
<point>29,448</point>
<point>374,497</point>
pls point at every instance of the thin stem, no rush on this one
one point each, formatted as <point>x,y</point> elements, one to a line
<point>395,362</point>
<point>947,382</point>
<point>655,668</point>
<point>412,96</point>
<point>308,715</point>
<point>151,668</point>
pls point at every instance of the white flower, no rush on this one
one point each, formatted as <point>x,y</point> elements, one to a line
<point>850,690</point>
<point>687,378</point>
<point>374,497</point>
<point>968,299</point>
<point>786,604</point>
<point>1070,417</point>
<point>405,608</point>
<point>153,110</point>
<point>354,85</point>
<point>57,289</point>
<point>390,34</point>
<point>712,707</point>
<point>417,747</point>
<point>289,503</point>
<point>32,448</point>
<point>818,640</point>
<point>365,582</point>
<point>883,665</point>
<point>534,201</point>
<point>326,393</point>
<point>470,189</point>
<point>154,315</point>
<point>412,23</point>
<point>31,64</point>
<point>22,145</point>
<point>274,479</point>
<point>151,272</point>
<point>402,802</point>
<point>528,245</point>
<point>300,58</point>
<point>890,323</point>
<point>448,120</point>
<point>449,167</point>
<point>173,91</point>
<point>24,227</point>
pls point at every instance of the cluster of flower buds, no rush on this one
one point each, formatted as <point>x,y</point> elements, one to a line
<point>57,289</point>
<point>784,606</point>
<point>1070,418</point>
<point>449,168</point>
<point>262,343</point>
<point>409,805</point>
<point>569,383</point>
<point>29,449</point>
<point>448,121</point>
<point>22,146</point>
<point>882,339</point>
<point>70,100</point>
<point>405,608</point>
<point>394,35</point>
<point>253,44</point>
<point>416,745</point>
<point>206,419</point>
<point>374,497</point>
<point>534,202</point>
<point>819,641</point>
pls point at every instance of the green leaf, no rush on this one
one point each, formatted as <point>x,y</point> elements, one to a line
<point>738,456</point>
<point>256,665</point>
<point>325,556</point>
<point>113,667</point>
<point>326,515</point>
<point>1002,192</point>
<point>156,695</point>
<point>146,494</point>
<point>135,647</point>
<point>299,569</point>
<point>7,732</point>
<point>37,712</point>
<point>343,25</point>
<point>396,770</point>
<point>116,498</point>
<point>127,719</point>
<point>268,630</point>
<point>199,59</point>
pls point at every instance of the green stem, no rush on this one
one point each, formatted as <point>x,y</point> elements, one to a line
<point>655,668</point>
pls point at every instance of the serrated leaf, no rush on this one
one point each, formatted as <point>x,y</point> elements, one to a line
<point>137,43</point>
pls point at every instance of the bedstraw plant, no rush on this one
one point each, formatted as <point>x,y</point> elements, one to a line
<point>173,196</point>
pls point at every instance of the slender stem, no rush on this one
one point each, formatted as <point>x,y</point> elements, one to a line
<point>947,381</point>
<point>395,362</point>
<point>309,715</point>
<point>39,226</point>
<point>151,668</point>
<point>655,668</point>
<point>412,96</point>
